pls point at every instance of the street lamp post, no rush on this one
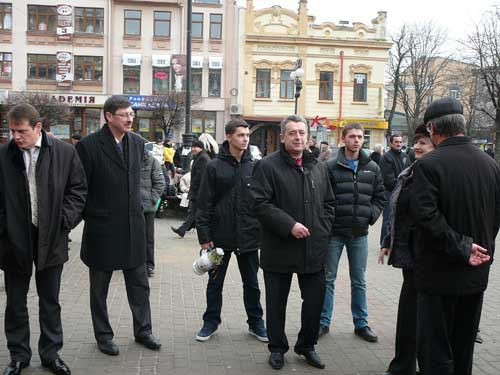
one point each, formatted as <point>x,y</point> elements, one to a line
<point>296,75</point>
<point>187,137</point>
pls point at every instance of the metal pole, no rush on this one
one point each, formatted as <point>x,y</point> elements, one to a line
<point>187,137</point>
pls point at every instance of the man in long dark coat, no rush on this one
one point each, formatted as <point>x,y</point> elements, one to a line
<point>114,235</point>
<point>294,203</point>
<point>42,195</point>
<point>456,206</point>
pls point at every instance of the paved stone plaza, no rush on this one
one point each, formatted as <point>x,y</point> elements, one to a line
<point>178,302</point>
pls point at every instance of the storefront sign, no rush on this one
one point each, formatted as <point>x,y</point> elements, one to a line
<point>80,100</point>
<point>148,102</point>
<point>333,124</point>
<point>131,59</point>
<point>64,22</point>
<point>215,62</point>
<point>64,72</point>
<point>161,61</point>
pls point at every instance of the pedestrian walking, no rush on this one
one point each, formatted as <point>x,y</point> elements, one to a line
<point>224,219</point>
<point>397,246</point>
<point>294,203</point>
<point>114,236</point>
<point>200,161</point>
<point>376,155</point>
<point>359,192</point>
<point>392,163</point>
<point>152,187</point>
<point>456,205</point>
<point>42,196</point>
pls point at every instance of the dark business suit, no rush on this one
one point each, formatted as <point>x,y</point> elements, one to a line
<point>61,191</point>
<point>114,235</point>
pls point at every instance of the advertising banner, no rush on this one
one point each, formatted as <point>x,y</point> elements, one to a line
<point>64,69</point>
<point>64,22</point>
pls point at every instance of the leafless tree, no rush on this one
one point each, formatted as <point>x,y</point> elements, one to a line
<point>483,45</point>
<point>397,59</point>
<point>51,111</point>
<point>422,70</point>
<point>168,112</point>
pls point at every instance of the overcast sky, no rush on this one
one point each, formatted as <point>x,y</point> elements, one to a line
<point>456,16</point>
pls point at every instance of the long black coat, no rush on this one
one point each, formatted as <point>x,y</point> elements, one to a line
<point>114,235</point>
<point>359,196</point>
<point>392,163</point>
<point>285,194</point>
<point>455,202</point>
<point>224,212</point>
<point>61,192</point>
<point>200,162</point>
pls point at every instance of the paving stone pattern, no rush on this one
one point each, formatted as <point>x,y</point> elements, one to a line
<point>178,303</point>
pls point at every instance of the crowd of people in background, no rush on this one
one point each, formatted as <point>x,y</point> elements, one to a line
<point>291,212</point>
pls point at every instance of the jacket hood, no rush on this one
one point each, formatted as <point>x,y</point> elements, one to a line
<point>225,154</point>
<point>364,156</point>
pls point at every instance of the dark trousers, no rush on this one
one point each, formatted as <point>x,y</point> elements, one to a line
<point>17,330</point>
<point>404,362</point>
<point>447,327</point>
<point>248,263</point>
<point>312,290</point>
<point>189,222</point>
<point>150,239</point>
<point>137,285</point>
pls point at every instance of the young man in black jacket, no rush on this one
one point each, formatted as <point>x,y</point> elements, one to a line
<point>359,191</point>
<point>224,219</point>
<point>295,206</point>
<point>42,196</point>
<point>456,206</point>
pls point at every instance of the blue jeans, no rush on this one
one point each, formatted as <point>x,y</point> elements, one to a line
<point>357,253</point>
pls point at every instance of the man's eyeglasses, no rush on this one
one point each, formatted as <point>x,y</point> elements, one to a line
<point>125,115</point>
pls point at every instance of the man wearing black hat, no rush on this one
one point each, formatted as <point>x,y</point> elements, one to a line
<point>200,161</point>
<point>456,205</point>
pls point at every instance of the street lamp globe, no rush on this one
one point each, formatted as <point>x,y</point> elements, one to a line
<point>299,72</point>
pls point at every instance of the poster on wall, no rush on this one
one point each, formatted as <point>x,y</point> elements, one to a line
<point>64,70</point>
<point>60,131</point>
<point>64,22</point>
<point>178,64</point>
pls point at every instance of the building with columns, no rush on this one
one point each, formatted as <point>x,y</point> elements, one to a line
<point>343,78</point>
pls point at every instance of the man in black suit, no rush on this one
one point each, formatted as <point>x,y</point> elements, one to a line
<point>114,235</point>
<point>42,196</point>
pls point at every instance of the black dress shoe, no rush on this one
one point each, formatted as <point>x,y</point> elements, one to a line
<point>57,366</point>
<point>366,334</point>
<point>15,367</point>
<point>149,342</point>
<point>108,347</point>
<point>178,232</point>
<point>312,358</point>
<point>276,360</point>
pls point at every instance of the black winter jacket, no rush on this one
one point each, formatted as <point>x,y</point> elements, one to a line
<point>200,162</point>
<point>456,202</point>
<point>392,164</point>
<point>285,194</point>
<point>359,196</point>
<point>61,192</point>
<point>224,212</point>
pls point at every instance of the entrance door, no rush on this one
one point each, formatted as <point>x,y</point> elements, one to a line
<point>266,137</point>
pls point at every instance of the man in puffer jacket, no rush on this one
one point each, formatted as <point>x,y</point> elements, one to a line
<point>359,196</point>
<point>224,219</point>
<point>152,187</point>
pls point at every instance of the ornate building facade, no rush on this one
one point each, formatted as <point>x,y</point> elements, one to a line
<point>343,77</point>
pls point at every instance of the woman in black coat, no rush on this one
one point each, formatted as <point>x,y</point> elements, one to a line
<point>397,245</point>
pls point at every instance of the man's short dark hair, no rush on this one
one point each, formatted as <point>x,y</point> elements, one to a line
<point>324,143</point>
<point>116,102</point>
<point>449,125</point>
<point>294,118</point>
<point>391,138</point>
<point>24,111</point>
<point>232,125</point>
<point>350,126</point>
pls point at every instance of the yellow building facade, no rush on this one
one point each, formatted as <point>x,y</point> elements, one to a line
<point>343,77</point>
